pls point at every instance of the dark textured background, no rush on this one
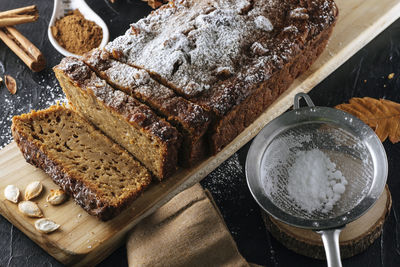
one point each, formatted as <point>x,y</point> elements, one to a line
<point>365,74</point>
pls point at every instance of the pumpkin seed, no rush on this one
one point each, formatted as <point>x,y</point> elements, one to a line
<point>33,190</point>
<point>11,192</point>
<point>30,209</point>
<point>46,225</point>
<point>56,197</point>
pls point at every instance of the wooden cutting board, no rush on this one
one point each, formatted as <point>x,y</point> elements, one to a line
<point>82,240</point>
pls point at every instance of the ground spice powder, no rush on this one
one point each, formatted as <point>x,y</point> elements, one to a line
<point>77,34</point>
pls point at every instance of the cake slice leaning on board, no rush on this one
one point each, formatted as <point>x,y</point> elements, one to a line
<point>101,176</point>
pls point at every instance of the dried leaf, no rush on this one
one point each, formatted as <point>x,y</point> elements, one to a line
<point>11,84</point>
<point>381,115</point>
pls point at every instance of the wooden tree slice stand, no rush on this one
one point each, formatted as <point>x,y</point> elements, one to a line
<point>354,239</point>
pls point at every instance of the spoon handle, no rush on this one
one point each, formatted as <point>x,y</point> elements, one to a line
<point>330,238</point>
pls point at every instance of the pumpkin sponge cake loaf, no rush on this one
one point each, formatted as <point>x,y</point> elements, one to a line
<point>101,176</point>
<point>133,125</point>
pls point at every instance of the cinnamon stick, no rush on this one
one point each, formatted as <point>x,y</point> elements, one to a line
<point>23,48</point>
<point>18,16</point>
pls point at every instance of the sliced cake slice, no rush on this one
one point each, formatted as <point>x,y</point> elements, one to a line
<point>131,124</point>
<point>101,176</point>
<point>189,118</point>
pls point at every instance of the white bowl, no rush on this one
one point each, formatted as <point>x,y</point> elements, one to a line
<point>61,7</point>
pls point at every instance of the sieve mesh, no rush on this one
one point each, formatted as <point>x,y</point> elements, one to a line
<point>351,156</point>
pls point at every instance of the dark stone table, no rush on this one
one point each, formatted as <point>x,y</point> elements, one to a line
<point>365,74</point>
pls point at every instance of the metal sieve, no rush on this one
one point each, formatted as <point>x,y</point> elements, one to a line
<point>347,141</point>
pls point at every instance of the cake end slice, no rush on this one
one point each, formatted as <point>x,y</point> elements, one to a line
<point>101,176</point>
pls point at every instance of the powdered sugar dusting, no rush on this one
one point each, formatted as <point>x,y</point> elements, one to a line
<point>291,28</point>
<point>223,182</point>
<point>190,44</point>
<point>243,6</point>
<point>135,80</point>
<point>263,23</point>
<point>258,49</point>
<point>299,13</point>
<point>123,75</point>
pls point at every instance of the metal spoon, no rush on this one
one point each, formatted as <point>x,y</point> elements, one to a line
<point>62,7</point>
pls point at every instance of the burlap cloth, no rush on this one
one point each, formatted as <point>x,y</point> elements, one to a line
<point>187,231</point>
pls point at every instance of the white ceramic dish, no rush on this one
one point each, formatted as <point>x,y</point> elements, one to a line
<point>61,7</point>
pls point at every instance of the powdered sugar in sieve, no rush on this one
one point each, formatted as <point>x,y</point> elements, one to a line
<point>316,170</point>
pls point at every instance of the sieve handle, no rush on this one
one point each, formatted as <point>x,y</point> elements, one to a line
<point>330,238</point>
<point>297,98</point>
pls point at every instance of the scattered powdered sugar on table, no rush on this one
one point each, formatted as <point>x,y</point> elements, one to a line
<point>46,93</point>
<point>314,183</point>
<point>228,187</point>
<point>222,182</point>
